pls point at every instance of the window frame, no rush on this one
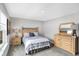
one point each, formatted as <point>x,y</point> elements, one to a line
<point>4,24</point>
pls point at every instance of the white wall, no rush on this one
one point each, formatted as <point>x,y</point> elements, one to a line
<point>19,23</point>
<point>50,28</point>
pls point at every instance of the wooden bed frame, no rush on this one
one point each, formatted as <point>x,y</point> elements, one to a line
<point>27,30</point>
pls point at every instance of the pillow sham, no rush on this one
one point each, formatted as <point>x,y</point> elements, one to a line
<point>31,34</point>
<point>26,34</point>
<point>36,33</point>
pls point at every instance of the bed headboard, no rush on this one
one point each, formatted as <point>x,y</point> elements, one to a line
<point>26,30</point>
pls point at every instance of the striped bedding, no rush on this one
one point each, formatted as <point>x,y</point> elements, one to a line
<point>36,42</point>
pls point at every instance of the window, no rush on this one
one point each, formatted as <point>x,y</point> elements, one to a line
<point>3,28</point>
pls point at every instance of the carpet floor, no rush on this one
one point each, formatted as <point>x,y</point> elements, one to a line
<point>53,51</point>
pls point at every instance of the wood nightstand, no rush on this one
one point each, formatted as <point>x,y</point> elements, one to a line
<point>16,40</point>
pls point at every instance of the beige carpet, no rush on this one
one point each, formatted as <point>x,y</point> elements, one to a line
<point>54,51</point>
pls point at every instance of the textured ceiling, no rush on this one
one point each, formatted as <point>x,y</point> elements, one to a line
<point>41,11</point>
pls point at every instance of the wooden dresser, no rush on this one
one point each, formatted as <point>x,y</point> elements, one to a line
<point>16,40</point>
<point>66,42</point>
<point>67,37</point>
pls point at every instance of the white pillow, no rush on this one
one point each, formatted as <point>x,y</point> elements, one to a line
<point>26,34</point>
<point>36,33</point>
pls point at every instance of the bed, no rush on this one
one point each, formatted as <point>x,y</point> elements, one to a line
<point>35,42</point>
